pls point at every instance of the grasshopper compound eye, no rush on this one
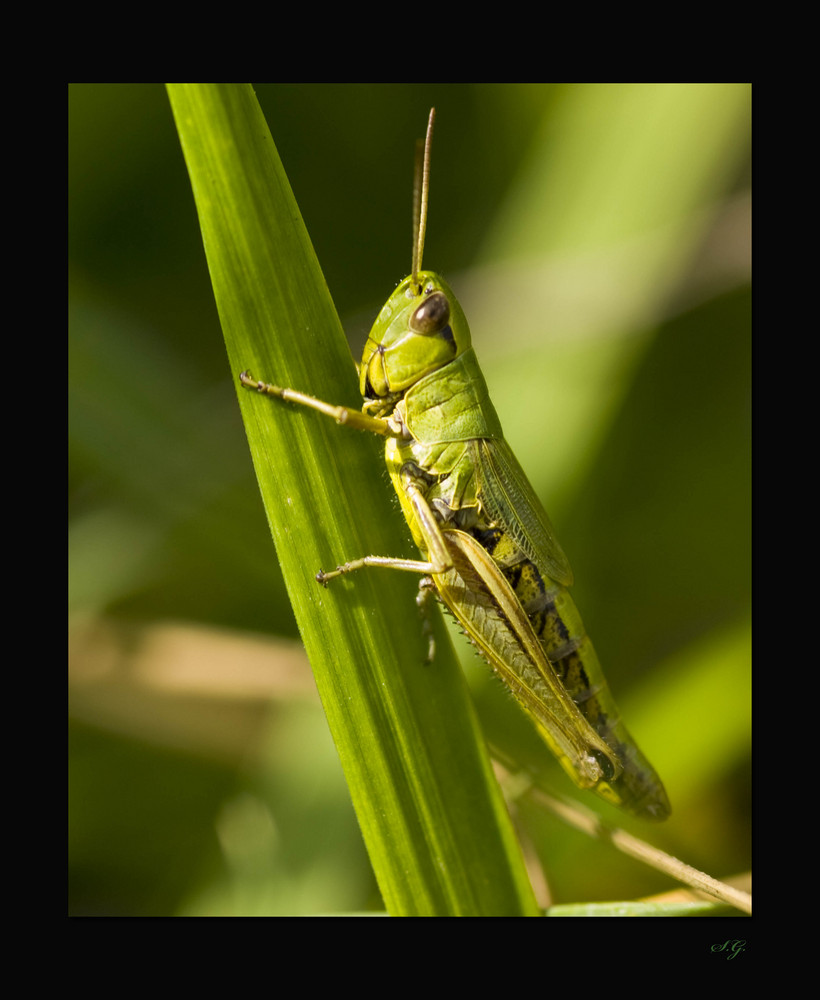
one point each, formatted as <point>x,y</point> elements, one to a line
<point>432,315</point>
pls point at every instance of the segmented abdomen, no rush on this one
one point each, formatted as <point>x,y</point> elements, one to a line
<point>557,623</point>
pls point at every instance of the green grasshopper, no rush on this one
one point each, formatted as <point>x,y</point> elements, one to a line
<point>490,552</point>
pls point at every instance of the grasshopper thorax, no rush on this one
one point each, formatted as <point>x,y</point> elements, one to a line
<point>420,329</point>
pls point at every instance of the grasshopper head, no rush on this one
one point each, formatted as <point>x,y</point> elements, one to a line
<point>420,328</point>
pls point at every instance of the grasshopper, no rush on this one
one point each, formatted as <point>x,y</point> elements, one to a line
<point>489,550</point>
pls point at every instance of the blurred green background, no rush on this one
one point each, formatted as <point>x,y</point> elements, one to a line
<point>598,237</point>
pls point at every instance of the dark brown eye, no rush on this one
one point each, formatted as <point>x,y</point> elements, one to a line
<point>432,315</point>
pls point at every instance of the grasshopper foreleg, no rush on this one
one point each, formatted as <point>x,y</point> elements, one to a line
<point>341,414</point>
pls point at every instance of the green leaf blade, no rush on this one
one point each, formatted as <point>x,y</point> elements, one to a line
<point>431,814</point>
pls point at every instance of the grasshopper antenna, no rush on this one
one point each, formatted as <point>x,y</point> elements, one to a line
<point>421,193</point>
